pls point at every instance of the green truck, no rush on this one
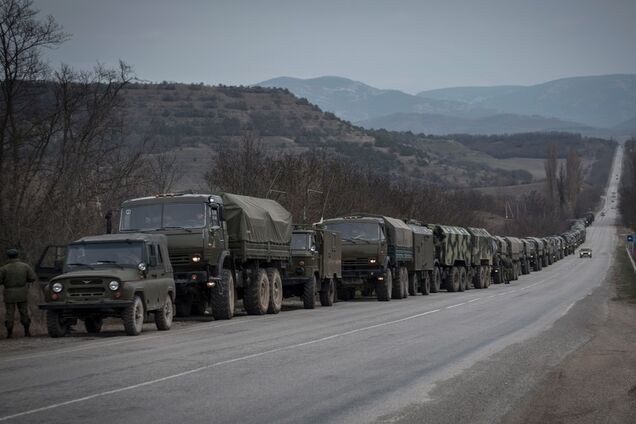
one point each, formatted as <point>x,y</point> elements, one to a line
<point>316,266</point>
<point>222,248</point>
<point>516,254</point>
<point>376,254</point>
<point>502,268</point>
<point>424,277</point>
<point>483,251</point>
<point>124,276</point>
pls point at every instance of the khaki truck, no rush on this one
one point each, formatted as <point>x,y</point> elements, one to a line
<point>316,266</point>
<point>424,277</point>
<point>453,256</point>
<point>540,260</point>
<point>529,251</point>
<point>516,253</point>
<point>222,248</point>
<point>127,276</point>
<point>376,253</point>
<point>502,265</point>
<point>482,257</point>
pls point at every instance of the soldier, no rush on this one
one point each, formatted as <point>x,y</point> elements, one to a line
<point>14,276</point>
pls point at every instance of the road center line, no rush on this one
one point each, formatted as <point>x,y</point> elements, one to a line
<point>456,305</point>
<point>213,365</point>
<point>474,300</point>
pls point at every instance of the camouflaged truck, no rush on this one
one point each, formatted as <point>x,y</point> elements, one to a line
<point>222,248</point>
<point>516,252</point>
<point>453,255</point>
<point>482,257</point>
<point>549,251</point>
<point>124,276</point>
<point>541,260</point>
<point>529,251</point>
<point>502,265</point>
<point>376,253</point>
<point>424,277</point>
<point>316,266</point>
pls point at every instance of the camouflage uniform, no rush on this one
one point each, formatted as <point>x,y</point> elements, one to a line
<point>14,276</point>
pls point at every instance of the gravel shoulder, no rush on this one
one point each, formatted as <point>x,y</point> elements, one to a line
<point>597,382</point>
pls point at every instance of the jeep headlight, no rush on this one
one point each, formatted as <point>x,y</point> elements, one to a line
<point>372,260</point>
<point>57,287</point>
<point>113,285</point>
<point>196,258</point>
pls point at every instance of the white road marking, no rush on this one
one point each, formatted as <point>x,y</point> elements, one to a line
<point>456,305</point>
<point>474,300</point>
<point>213,365</point>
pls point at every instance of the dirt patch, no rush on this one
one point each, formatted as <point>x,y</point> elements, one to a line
<point>597,383</point>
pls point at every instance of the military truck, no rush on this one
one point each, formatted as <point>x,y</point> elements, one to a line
<point>549,251</point>
<point>453,255</point>
<point>540,260</point>
<point>502,265</point>
<point>483,251</point>
<point>424,277</point>
<point>516,252</point>
<point>222,248</point>
<point>124,276</point>
<point>316,266</point>
<point>376,253</point>
<point>528,252</point>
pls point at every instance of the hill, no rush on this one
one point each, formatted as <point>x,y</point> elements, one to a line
<point>597,101</point>
<point>627,126</point>
<point>495,124</point>
<point>355,101</point>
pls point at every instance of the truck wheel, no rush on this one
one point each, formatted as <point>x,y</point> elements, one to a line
<point>436,280</point>
<point>256,296</point>
<point>454,280</point>
<point>327,292</point>
<point>404,282</point>
<point>133,317</point>
<point>55,325</point>
<point>163,316</point>
<point>414,282</point>
<point>223,297</point>
<point>425,283</point>
<point>93,325</point>
<point>478,279</point>
<point>275,291</point>
<point>384,288</point>
<point>309,293</point>
<point>463,279</point>
<point>486,277</point>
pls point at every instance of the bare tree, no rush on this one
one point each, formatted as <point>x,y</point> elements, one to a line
<point>551,164</point>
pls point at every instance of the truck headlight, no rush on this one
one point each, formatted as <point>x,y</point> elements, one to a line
<point>57,287</point>
<point>196,258</point>
<point>372,260</point>
<point>113,285</point>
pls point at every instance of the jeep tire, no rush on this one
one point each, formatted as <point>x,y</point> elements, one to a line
<point>133,317</point>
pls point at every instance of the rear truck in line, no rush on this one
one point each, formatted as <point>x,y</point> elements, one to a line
<point>453,256</point>
<point>376,253</point>
<point>316,266</point>
<point>516,253</point>
<point>482,254</point>
<point>424,276</point>
<point>222,248</point>
<point>528,252</point>
<point>126,276</point>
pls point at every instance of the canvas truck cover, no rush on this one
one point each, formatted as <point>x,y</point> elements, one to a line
<point>256,220</point>
<point>400,233</point>
<point>482,247</point>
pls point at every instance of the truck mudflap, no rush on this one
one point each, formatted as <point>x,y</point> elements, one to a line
<point>106,304</point>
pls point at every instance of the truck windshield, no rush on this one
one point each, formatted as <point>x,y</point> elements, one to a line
<point>160,216</point>
<point>300,241</point>
<point>351,231</point>
<point>120,252</point>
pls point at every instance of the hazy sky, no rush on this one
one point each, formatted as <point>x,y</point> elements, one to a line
<point>408,45</point>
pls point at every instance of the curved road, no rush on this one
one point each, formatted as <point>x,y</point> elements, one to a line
<point>447,357</point>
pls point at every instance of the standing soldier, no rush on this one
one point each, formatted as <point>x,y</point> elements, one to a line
<point>14,276</point>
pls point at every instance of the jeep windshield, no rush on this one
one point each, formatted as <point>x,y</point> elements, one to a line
<point>354,231</point>
<point>120,253</point>
<point>161,216</point>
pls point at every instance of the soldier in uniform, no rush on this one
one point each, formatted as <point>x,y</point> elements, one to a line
<point>14,276</point>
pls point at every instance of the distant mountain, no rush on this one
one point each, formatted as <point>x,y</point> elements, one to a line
<point>506,123</point>
<point>629,125</point>
<point>355,101</point>
<point>597,101</point>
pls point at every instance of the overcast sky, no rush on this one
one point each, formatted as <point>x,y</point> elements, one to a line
<point>408,45</point>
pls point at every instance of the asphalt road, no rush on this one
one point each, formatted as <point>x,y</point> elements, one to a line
<point>447,357</point>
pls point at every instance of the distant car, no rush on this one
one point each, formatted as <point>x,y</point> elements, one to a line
<point>585,252</point>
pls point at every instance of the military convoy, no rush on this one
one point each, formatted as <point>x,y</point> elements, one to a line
<point>199,253</point>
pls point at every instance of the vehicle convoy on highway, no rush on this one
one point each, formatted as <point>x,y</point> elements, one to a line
<point>222,248</point>
<point>585,253</point>
<point>125,276</point>
<point>316,266</point>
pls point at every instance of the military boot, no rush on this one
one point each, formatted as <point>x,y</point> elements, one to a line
<point>27,333</point>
